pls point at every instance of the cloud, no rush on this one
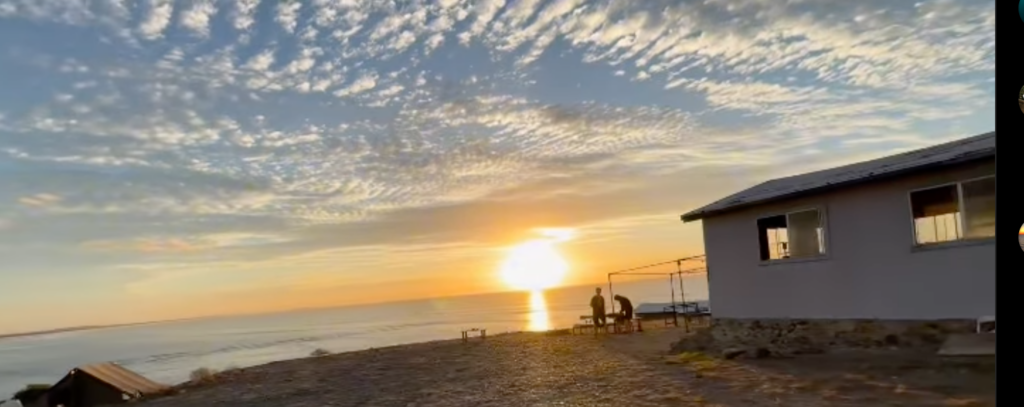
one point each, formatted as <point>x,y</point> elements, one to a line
<point>261,62</point>
<point>364,83</point>
<point>157,19</point>
<point>485,11</point>
<point>243,14</point>
<point>288,15</point>
<point>144,246</point>
<point>367,123</point>
<point>197,17</point>
<point>186,244</point>
<point>39,200</point>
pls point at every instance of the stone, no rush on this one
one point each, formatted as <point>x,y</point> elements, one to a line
<point>759,353</point>
<point>733,353</point>
<point>811,336</point>
<point>892,340</point>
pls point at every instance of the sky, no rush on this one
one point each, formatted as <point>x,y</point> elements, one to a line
<point>163,159</point>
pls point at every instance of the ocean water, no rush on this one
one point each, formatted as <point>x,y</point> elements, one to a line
<point>167,352</point>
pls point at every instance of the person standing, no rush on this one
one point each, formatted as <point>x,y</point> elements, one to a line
<point>597,306</point>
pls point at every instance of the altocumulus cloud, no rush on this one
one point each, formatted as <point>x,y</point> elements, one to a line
<point>254,117</point>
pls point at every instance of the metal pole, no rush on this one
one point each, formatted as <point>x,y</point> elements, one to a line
<point>672,286</point>
<point>682,295</point>
<point>682,291</point>
<point>611,294</point>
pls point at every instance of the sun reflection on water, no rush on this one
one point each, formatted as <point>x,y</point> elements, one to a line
<point>539,319</point>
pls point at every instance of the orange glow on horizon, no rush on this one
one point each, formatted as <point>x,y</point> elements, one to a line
<point>1021,230</point>
<point>536,264</point>
<point>539,319</point>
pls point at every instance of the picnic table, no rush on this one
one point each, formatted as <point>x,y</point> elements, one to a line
<point>482,333</point>
<point>588,323</point>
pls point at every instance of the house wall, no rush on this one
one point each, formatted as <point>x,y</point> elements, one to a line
<point>872,269</point>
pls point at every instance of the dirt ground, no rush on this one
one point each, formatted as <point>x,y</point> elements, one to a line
<point>563,370</point>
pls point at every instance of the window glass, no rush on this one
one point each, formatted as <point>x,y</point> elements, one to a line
<point>794,235</point>
<point>979,207</point>
<point>936,214</point>
<point>773,238</point>
<point>805,234</point>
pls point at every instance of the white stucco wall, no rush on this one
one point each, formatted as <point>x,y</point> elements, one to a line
<point>872,269</point>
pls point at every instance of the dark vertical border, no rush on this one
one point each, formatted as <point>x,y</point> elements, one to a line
<point>1009,77</point>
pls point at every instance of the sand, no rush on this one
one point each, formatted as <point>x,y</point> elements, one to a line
<point>532,369</point>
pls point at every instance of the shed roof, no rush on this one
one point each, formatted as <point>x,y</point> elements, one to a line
<point>121,378</point>
<point>955,152</point>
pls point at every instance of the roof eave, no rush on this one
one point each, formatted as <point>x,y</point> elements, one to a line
<point>702,214</point>
<point>692,216</point>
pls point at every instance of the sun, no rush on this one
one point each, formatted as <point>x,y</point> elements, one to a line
<point>534,265</point>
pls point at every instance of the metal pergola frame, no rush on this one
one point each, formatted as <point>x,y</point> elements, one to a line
<point>672,275</point>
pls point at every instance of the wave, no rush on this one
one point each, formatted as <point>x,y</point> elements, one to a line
<point>237,347</point>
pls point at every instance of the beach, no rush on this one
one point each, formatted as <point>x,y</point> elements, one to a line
<point>166,352</point>
<point>557,369</point>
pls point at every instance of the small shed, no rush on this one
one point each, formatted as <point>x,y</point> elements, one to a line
<point>33,395</point>
<point>101,384</point>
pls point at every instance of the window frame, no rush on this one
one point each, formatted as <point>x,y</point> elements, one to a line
<point>822,222</point>
<point>959,224</point>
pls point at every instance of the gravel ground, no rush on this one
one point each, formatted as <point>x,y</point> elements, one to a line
<point>561,370</point>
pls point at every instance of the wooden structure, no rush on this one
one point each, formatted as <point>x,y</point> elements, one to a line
<point>482,333</point>
<point>101,384</point>
<point>673,276</point>
<point>33,395</point>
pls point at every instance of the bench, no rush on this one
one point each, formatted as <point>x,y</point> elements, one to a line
<point>581,328</point>
<point>588,324</point>
<point>626,326</point>
<point>482,333</point>
<point>616,327</point>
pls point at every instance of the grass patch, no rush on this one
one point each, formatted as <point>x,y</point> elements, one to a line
<point>697,361</point>
<point>30,393</point>
<point>688,357</point>
<point>203,375</point>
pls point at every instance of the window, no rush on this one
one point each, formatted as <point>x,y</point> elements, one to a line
<point>793,235</point>
<point>964,210</point>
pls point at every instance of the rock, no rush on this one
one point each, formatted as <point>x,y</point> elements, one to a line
<point>733,353</point>
<point>759,353</point>
<point>892,340</point>
<point>808,350</point>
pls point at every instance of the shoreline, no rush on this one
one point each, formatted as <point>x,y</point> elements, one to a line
<point>292,310</point>
<point>428,344</point>
<point>554,367</point>
<point>504,369</point>
<point>89,328</point>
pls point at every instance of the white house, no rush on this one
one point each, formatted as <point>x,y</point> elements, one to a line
<point>904,237</point>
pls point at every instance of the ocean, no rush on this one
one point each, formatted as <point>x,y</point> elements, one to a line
<point>167,352</point>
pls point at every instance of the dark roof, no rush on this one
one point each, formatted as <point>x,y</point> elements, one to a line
<point>116,376</point>
<point>955,152</point>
